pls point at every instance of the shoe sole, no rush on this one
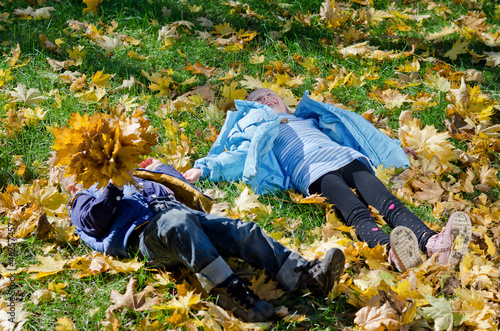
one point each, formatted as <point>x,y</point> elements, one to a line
<point>336,267</point>
<point>263,310</point>
<point>404,244</point>
<point>462,233</point>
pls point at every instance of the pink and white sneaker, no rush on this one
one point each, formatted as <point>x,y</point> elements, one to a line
<point>453,241</point>
<point>404,252</point>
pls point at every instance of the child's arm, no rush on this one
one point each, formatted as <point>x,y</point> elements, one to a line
<point>94,214</point>
<point>228,165</point>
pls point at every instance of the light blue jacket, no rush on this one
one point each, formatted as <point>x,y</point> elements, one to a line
<point>243,149</point>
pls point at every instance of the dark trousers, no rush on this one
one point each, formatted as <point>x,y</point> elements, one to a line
<point>352,208</point>
<point>181,236</point>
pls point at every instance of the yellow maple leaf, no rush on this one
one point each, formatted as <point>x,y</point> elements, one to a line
<point>486,175</point>
<point>48,266</point>
<point>384,174</point>
<point>21,167</point>
<point>194,8</point>
<point>177,148</point>
<point>140,301</point>
<point>390,98</point>
<point>223,29</point>
<point>76,54</point>
<point>375,257</point>
<point>93,95</point>
<point>5,76</point>
<point>183,302</point>
<point>251,83</point>
<point>11,61</point>
<point>92,6</point>
<point>230,93</point>
<point>33,116</point>
<point>427,141</point>
<point>333,14</point>
<point>438,82</point>
<point>122,266</point>
<point>266,290</point>
<point>101,79</point>
<point>64,324</point>
<point>78,83</point>
<point>299,198</point>
<point>459,47</point>
<point>438,36</point>
<point>234,47</point>
<point>42,295</point>
<point>159,82</point>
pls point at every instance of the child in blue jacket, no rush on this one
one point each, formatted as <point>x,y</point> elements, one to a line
<point>165,220</point>
<point>327,150</point>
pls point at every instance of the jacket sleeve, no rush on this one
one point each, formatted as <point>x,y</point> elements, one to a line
<point>95,213</point>
<point>227,157</point>
<point>243,150</point>
<point>225,166</point>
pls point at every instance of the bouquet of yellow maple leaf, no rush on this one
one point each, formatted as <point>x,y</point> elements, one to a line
<point>101,147</point>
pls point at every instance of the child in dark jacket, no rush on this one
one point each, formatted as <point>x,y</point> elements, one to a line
<point>148,219</point>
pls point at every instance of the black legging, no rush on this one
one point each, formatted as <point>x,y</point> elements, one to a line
<point>336,186</point>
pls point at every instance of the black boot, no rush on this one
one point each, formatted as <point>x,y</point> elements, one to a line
<point>319,276</point>
<point>233,295</point>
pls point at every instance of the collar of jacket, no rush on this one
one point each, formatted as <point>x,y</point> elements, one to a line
<point>183,191</point>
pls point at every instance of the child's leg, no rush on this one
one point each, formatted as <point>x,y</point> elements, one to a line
<point>353,211</point>
<point>373,192</point>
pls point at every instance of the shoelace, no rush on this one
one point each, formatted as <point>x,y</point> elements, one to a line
<point>306,268</point>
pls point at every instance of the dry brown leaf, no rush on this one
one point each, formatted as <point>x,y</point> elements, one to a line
<point>431,191</point>
<point>140,301</point>
<point>377,318</point>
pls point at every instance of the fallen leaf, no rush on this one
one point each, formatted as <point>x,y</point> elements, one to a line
<point>64,324</point>
<point>140,301</point>
<point>377,318</point>
<point>92,6</point>
<point>440,312</point>
<point>266,288</point>
<point>31,97</point>
<point>48,266</point>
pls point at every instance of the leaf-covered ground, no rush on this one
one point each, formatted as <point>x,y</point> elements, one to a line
<point>425,72</point>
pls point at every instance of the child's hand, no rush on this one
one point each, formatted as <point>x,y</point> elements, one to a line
<point>146,162</point>
<point>192,175</point>
<point>150,163</point>
<point>409,151</point>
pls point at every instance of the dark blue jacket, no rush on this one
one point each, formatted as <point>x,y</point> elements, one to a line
<point>105,218</point>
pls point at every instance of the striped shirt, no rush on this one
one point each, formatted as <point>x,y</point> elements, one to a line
<point>305,153</point>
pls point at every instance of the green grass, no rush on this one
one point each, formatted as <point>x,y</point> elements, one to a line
<point>89,297</point>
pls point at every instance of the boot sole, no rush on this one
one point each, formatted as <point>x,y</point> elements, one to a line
<point>462,234</point>
<point>336,267</point>
<point>404,244</point>
<point>262,311</point>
